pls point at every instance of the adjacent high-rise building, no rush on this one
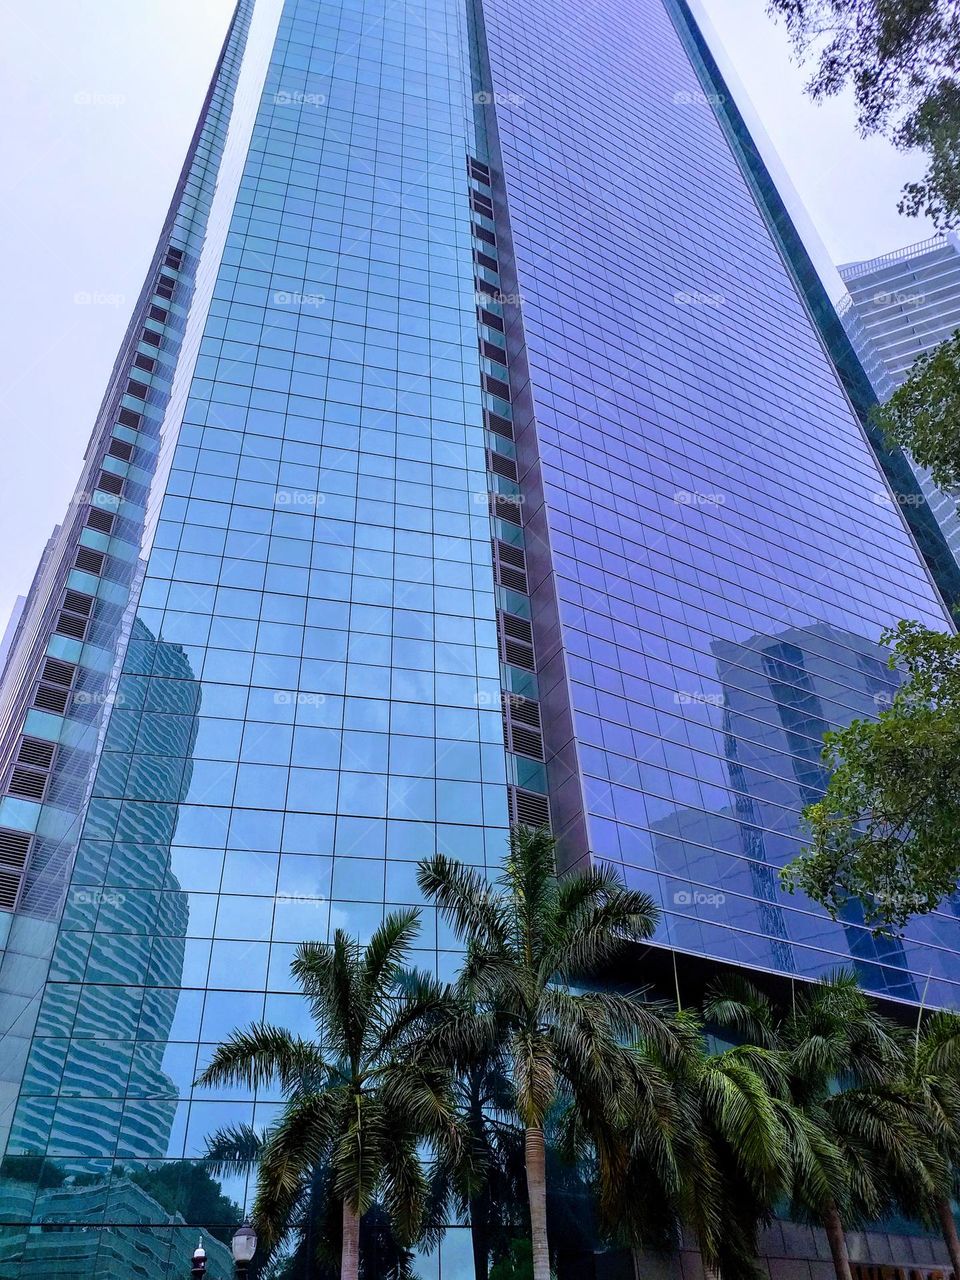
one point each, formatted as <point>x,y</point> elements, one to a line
<point>899,307</point>
<point>483,449</point>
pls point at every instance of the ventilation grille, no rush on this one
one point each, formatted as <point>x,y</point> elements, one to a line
<point>501,465</point>
<point>89,561</point>
<point>492,352</point>
<point>490,319</point>
<point>36,753</point>
<point>527,808</point>
<point>14,847</point>
<point>68,625</point>
<point>504,508</point>
<point>128,418</point>
<point>27,782</point>
<point>144,362</point>
<point>121,449</point>
<point>77,602</point>
<point>50,697</point>
<point>496,386</point>
<point>110,483</point>
<point>510,564</point>
<point>100,520</point>
<point>521,726</point>
<point>516,641</point>
<point>502,426</point>
<point>57,672</point>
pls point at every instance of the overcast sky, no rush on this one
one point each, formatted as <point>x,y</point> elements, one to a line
<point>99,99</point>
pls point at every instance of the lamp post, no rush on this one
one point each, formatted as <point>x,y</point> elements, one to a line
<point>243,1246</point>
<point>199,1266</point>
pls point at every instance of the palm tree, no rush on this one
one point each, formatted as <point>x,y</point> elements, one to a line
<point>527,937</point>
<point>933,1080</point>
<point>315,1224</point>
<point>854,1135</point>
<point>484,1176</point>
<point>357,1100</point>
<point>730,1106</point>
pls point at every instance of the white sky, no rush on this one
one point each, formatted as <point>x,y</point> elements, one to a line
<point>99,99</point>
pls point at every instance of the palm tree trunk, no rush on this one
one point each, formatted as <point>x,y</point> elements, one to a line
<point>838,1243</point>
<point>948,1225</point>
<point>536,1160</point>
<point>480,1235</point>
<point>350,1250</point>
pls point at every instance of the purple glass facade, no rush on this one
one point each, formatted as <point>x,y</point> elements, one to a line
<point>714,547</point>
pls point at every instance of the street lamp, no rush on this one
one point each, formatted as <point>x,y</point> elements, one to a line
<point>199,1267</point>
<point>243,1246</point>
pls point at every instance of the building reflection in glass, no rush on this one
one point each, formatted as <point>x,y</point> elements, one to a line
<point>779,695</point>
<point>98,1138</point>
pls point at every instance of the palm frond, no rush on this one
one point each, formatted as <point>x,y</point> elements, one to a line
<point>263,1054</point>
<point>384,954</point>
<point>234,1148</point>
<point>734,1003</point>
<point>464,898</point>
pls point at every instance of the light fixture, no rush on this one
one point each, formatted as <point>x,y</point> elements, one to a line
<point>199,1267</point>
<point>244,1246</point>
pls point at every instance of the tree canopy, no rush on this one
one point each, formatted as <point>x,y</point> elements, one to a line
<point>887,831</point>
<point>899,59</point>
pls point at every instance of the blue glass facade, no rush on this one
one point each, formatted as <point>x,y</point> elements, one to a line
<point>310,692</point>
<point>498,420</point>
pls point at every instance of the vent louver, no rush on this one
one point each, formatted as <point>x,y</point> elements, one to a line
<point>528,808</point>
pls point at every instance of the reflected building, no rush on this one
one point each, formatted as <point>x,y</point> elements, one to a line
<point>102,1047</point>
<point>780,694</point>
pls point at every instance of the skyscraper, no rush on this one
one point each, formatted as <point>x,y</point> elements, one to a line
<point>477,454</point>
<point>899,307</point>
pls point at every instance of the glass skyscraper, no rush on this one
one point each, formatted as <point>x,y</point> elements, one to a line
<point>482,449</point>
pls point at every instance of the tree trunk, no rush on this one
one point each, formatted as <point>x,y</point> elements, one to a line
<point>480,1235</point>
<point>350,1249</point>
<point>948,1225</point>
<point>536,1160</point>
<point>838,1243</point>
